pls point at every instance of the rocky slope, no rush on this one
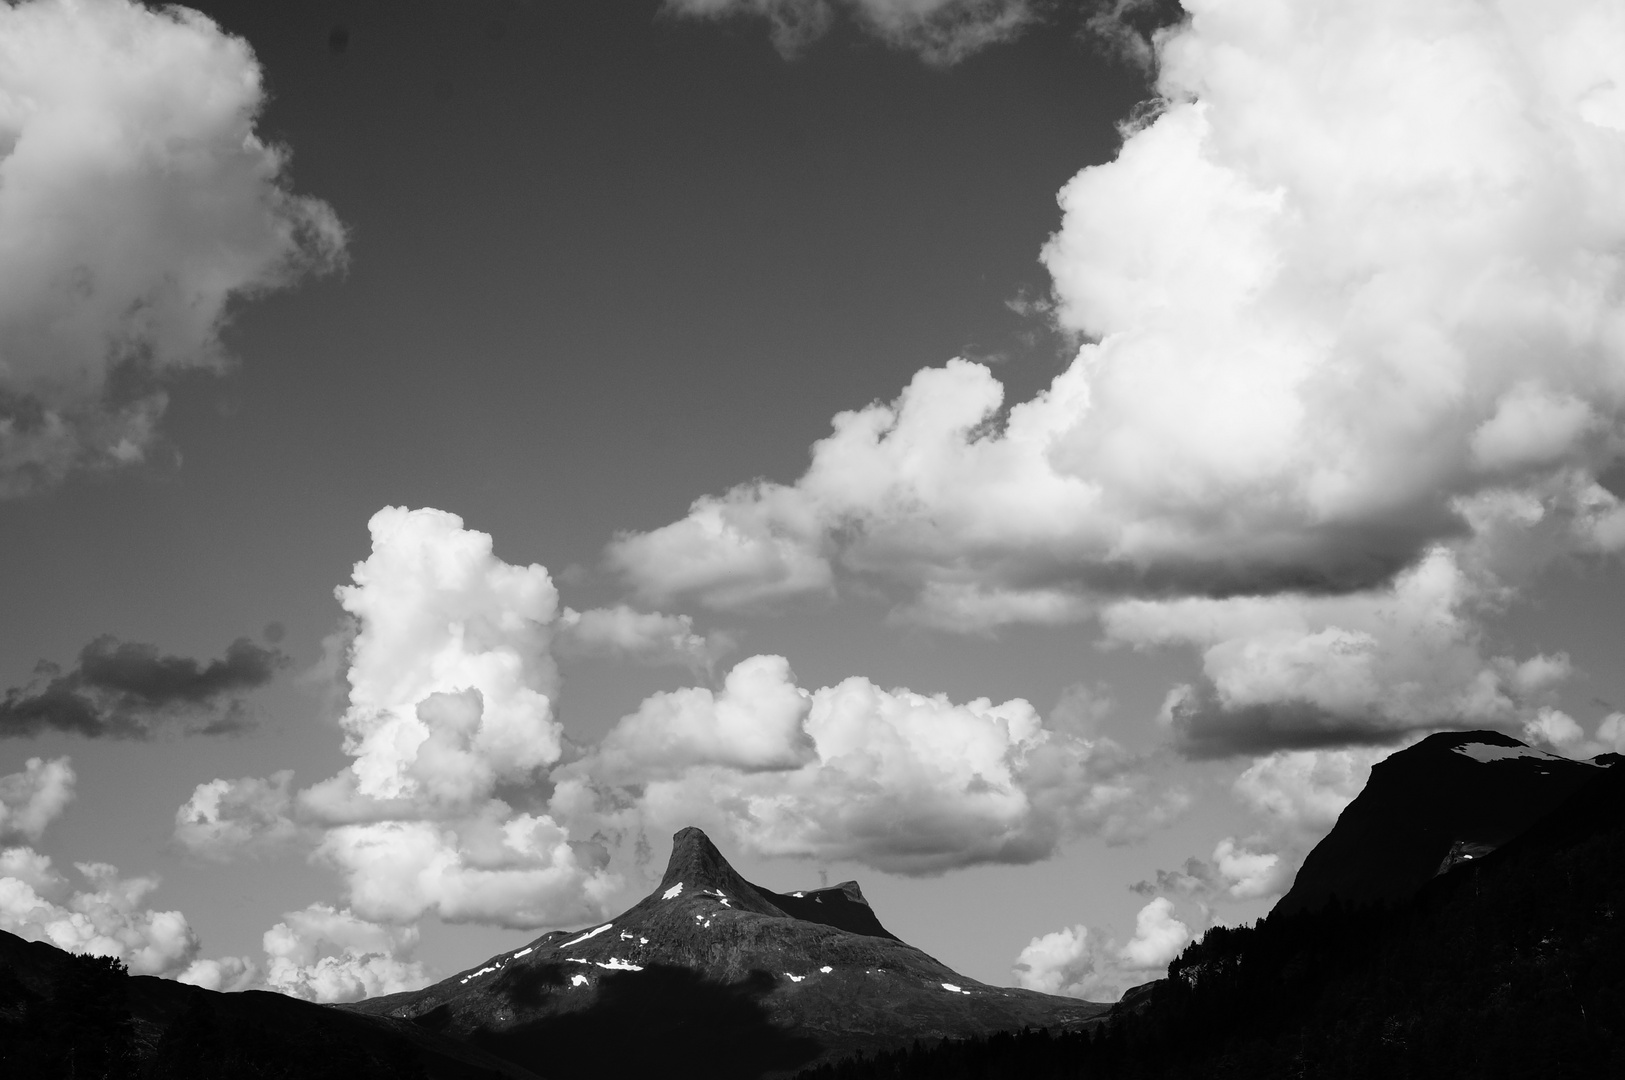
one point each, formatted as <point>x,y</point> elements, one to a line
<point>1452,798</point>
<point>710,975</point>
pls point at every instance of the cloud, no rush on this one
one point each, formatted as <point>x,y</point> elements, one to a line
<point>226,819</point>
<point>904,782</point>
<point>623,632</point>
<point>1079,962</point>
<point>941,32</point>
<point>451,688</point>
<point>1357,271</point>
<point>1297,796</point>
<point>1298,671</point>
<point>326,955</point>
<point>136,202</point>
<point>32,799</point>
<point>107,918</point>
<point>1158,937</point>
<point>228,974</point>
<point>127,690</point>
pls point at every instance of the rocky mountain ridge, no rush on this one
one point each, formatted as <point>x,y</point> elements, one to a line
<point>720,977</point>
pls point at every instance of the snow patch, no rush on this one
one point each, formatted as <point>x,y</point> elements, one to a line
<point>522,952</point>
<point>643,941</point>
<point>616,964</point>
<point>794,978</point>
<point>483,971</point>
<point>955,989</point>
<point>673,893</point>
<point>1480,751</point>
<point>627,935</point>
<point>826,969</point>
<point>798,894</point>
<point>588,934</point>
<point>578,980</point>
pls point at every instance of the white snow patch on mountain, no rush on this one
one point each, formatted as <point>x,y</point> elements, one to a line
<point>1479,751</point>
<point>826,969</point>
<point>794,978</point>
<point>588,934</point>
<point>617,964</point>
<point>673,893</point>
<point>528,949</point>
<point>578,980</point>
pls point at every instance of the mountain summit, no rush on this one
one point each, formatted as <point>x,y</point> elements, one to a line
<point>711,975</point>
<point>1452,798</point>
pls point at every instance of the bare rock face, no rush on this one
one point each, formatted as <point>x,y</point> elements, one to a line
<point>1452,798</point>
<point>712,976</point>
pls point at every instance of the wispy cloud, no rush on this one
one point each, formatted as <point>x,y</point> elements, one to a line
<point>940,32</point>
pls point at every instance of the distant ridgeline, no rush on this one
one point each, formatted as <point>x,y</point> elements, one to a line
<point>1465,918</point>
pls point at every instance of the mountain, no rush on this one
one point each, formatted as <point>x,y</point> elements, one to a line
<point>712,976</point>
<point>1452,798</point>
<point>66,1015</point>
<point>1509,965</point>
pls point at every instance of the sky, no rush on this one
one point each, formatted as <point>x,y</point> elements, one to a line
<point>1031,458</point>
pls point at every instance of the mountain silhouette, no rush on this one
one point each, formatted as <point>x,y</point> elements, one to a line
<point>713,976</point>
<point>1452,798</point>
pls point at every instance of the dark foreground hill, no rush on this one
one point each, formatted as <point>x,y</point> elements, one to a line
<point>1508,965</point>
<point>63,1015</point>
<point>712,976</point>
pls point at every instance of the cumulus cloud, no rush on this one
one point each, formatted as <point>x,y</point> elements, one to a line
<point>902,781</point>
<point>228,974</point>
<point>225,819</point>
<point>1296,670</point>
<point>1354,361</point>
<point>136,202</point>
<point>106,918</point>
<point>449,716</point>
<point>1080,962</point>
<point>649,637</point>
<point>33,798</point>
<point>324,954</point>
<point>941,32</point>
<point>128,690</point>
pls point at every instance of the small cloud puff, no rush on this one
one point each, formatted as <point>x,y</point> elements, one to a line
<point>32,799</point>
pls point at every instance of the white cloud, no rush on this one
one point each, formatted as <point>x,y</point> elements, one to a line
<point>107,918</point>
<point>1302,792</point>
<point>228,974</point>
<point>940,31</point>
<point>225,819</point>
<point>1611,733</point>
<point>30,800</point>
<point>901,781</point>
<point>1250,874</point>
<point>1354,285</point>
<point>1080,962</point>
<point>136,201</point>
<point>1062,962</point>
<point>327,955</point>
<point>649,637</point>
<point>1316,670</point>
<point>1158,937</point>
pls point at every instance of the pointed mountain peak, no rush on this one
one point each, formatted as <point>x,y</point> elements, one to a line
<point>697,867</point>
